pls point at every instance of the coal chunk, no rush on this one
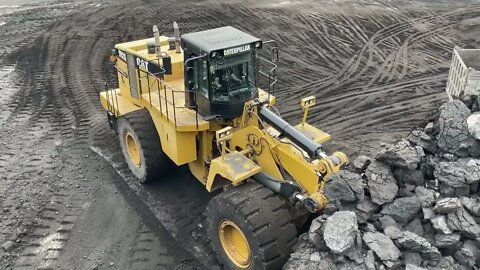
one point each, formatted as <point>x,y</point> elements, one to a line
<point>446,240</point>
<point>468,255</point>
<point>447,205</point>
<point>472,205</point>
<point>440,224</point>
<point>423,140</point>
<point>402,209</point>
<point>453,136</point>
<point>463,222</point>
<point>458,174</point>
<point>402,155</point>
<point>408,176</point>
<point>427,197</point>
<point>383,246</point>
<point>473,124</point>
<point>345,186</point>
<point>412,242</point>
<point>341,230</point>
<point>381,183</point>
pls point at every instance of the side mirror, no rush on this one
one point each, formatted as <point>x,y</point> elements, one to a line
<point>275,57</point>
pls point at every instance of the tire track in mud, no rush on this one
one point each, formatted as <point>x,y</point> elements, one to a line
<point>73,93</point>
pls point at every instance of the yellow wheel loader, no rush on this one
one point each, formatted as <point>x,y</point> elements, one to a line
<point>206,99</point>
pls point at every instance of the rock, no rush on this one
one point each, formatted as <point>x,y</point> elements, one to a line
<point>427,213</point>
<point>403,209</point>
<point>421,139</point>
<point>429,232</point>
<point>402,155</point>
<point>413,258</point>
<point>414,267</point>
<point>413,242</point>
<point>446,240</point>
<point>429,128</point>
<point>368,227</point>
<point>444,263</point>
<point>386,221</point>
<point>315,234</point>
<point>8,246</point>
<point>415,226</point>
<point>340,232</point>
<point>463,222</point>
<point>403,192</point>
<point>426,197</point>
<point>383,246</point>
<point>369,260</point>
<point>393,232</point>
<point>408,176</point>
<point>468,255</point>
<point>380,182</point>
<point>473,124</point>
<point>344,186</point>
<point>453,135</point>
<point>440,224</point>
<point>361,163</point>
<point>392,265</point>
<point>472,205</point>
<point>366,208</point>
<point>447,205</point>
<point>458,174</point>
<point>308,258</point>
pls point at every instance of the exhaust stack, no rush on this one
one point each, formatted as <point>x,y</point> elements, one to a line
<point>176,33</point>
<point>156,34</point>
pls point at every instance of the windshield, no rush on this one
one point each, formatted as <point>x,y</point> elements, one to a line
<point>233,77</point>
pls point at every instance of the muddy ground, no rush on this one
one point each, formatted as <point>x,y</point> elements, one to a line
<point>67,200</point>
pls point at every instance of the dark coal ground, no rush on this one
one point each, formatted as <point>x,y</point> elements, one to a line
<point>377,68</point>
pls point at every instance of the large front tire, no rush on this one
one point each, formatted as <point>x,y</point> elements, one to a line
<point>250,228</point>
<point>141,146</point>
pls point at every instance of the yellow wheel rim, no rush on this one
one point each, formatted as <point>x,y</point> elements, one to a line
<point>235,244</point>
<point>132,149</point>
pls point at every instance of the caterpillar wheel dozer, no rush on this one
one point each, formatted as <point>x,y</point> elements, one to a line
<point>206,99</point>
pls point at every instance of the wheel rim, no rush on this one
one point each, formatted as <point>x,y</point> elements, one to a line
<point>235,244</point>
<point>132,149</point>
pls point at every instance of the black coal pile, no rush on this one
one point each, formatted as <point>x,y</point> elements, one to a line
<point>415,205</point>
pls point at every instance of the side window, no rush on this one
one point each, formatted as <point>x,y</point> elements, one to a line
<point>202,76</point>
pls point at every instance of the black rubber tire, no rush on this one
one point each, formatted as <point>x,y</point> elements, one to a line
<point>262,217</point>
<point>154,162</point>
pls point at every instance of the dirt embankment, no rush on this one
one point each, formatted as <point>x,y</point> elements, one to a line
<point>377,69</point>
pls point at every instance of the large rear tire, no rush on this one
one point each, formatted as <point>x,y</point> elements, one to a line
<point>250,228</point>
<point>141,146</point>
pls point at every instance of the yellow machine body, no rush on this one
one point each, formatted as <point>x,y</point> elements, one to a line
<point>243,147</point>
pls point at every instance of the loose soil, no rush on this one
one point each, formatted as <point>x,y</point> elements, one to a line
<point>67,199</point>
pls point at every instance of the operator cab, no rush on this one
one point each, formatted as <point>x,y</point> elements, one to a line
<point>221,73</point>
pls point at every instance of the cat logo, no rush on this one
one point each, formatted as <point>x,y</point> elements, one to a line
<point>236,50</point>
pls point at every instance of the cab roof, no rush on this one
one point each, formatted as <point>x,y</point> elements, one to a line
<point>216,39</point>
